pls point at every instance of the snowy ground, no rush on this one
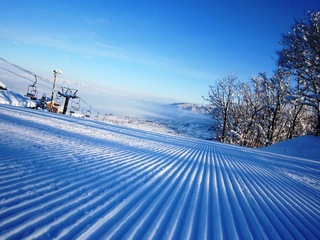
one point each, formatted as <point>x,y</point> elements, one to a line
<point>304,147</point>
<point>188,126</point>
<point>14,99</point>
<point>64,177</point>
<point>178,119</point>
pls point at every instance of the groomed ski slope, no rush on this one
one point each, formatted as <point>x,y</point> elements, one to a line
<point>70,178</point>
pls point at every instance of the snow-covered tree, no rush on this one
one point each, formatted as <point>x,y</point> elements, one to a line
<point>220,97</point>
<point>271,93</point>
<point>240,114</point>
<point>243,115</point>
<point>256,114</point>
<point>236,108</point>
<point>300,57</point>
<point>278,108</point>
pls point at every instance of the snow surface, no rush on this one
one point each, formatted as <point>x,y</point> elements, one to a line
<point>303,147</point>
<point>15,99</point>
<point>177,119</point>
<point>64,177</point>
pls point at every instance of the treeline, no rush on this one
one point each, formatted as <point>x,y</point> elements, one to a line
<point>272,109</point>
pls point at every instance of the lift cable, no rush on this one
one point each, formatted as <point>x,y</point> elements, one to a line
<point>24,77</point>
<point>45,79</point>
<point>90,107</point>
<point>14,65</point>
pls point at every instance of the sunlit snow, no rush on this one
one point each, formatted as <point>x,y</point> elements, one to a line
<point>64,177</point>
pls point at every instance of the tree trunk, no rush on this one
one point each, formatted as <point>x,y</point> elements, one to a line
<point>318,125</point>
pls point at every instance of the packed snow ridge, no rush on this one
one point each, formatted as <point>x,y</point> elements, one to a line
<point>71,178</point>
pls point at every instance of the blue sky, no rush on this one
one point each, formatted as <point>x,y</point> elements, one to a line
<point>156,50</point>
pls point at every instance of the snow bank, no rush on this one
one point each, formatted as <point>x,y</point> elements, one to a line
<point>303,147</point>
<point>13,98</point>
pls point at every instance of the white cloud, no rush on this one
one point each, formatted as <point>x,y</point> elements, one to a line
<point>94,21</point>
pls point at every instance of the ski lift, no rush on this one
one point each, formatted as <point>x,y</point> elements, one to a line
<point>106,116</point>
<point>88,113</point>
<point>32,90</point>
<point>66,93</point>
<point>58,99</point>
<point>96,116</point>
<point>75,106</point>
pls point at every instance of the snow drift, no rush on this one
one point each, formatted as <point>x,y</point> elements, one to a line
<point>65,178</point>
<point>303,147</point>
<point>13,98</point>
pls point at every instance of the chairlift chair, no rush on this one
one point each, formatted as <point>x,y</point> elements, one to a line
<point>75,106</point>
<point>32,90</point>
<point>96,116</point>
<point>105,117</point>
<point>58,99</point>
<point>83,113</point>
<point>88,113</point>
